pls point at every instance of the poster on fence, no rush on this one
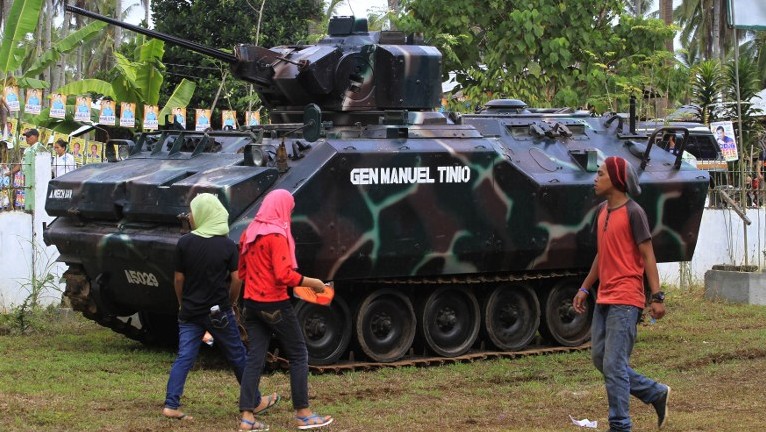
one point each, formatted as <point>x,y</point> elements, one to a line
<point>94,152</point>
<point>77,147</point>
<point>9,132</point>
<point>724,134</point>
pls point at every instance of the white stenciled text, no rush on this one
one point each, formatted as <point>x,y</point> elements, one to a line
<point>410,175</point>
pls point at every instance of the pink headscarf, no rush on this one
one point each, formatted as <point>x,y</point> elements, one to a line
<point>273,218</point>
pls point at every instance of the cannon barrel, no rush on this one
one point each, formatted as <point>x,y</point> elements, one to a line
<point>212,52</point>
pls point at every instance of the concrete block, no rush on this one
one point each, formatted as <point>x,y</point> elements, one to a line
<point>736,286</point>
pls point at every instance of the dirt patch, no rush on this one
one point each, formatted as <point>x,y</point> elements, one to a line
<point>719,358</point>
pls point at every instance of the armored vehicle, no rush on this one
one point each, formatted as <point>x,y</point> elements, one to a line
<point>443,235</point>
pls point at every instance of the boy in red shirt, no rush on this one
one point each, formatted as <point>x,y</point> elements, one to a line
<point>624,252</point>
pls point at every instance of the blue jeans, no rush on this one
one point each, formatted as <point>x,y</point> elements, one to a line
<point>613,335</point>
<point>261,320</point>
<point>189,339</point>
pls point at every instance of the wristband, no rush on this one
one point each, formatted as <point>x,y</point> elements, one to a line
<point>585,290</point>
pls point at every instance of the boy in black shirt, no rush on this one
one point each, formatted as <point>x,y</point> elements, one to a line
<point>205,276</point>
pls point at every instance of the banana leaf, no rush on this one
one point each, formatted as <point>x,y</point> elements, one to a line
<point>27,82</point>
<point>149,76</point>
<point>88,86</point>
<point>64,46</point>
<point>21,20</point>
<point>180,98</point>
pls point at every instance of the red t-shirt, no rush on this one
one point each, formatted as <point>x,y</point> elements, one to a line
<point>266,269</point>
<point>620,265</point>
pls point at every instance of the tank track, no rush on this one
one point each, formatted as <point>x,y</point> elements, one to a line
<point>281,363</point>
<point>83,299</point>
<point>81,296</point>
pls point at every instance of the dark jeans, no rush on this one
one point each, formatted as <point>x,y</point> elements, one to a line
<point>261,320</point>
<point>613,335</point>
<point>189,339</point>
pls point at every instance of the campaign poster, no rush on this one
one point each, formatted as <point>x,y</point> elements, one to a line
<point>22,140</point>
<point>82,108</point>
<point>253,118</point>
<point>229,119</point>
<point>179,116</point>
<point>34,103</point>
<point>55,136</point>
<point>77,148</point>
<point>58,106</point>
<point>127,114</point>
<point>151,118</point>
<point>46,137</point>
<point>724,134</point>
<point>11,94</point>
<point>107,115</point>
<point>9,131</point>
<point>201,120</point>
<point>93,154</point>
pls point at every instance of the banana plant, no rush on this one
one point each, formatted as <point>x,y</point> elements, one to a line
<point>23,19</point>
<point>137,81</point>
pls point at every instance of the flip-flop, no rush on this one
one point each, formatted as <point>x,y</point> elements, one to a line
<point>255,426</point>
<point>272,400</point>
<point>313,421</point>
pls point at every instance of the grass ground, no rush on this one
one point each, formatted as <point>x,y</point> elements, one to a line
<point>76,376</point>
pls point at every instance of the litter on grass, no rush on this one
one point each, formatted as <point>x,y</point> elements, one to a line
<point>593,424</point>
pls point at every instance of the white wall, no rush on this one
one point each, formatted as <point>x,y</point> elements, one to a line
<point>19,259</point>
<point>15,256</point>
<point>721,241</point>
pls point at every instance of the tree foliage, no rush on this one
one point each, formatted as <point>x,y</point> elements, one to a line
<point>545,51</point>
<point>222,25</point>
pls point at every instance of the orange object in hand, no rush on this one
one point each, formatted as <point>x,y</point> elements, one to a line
<point>309,295</point>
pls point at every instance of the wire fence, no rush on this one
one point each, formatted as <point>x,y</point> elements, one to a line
<point>747,193</point>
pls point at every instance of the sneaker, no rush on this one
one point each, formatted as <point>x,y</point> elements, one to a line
<point>661,406</point>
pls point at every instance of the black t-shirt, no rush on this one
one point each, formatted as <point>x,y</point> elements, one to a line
<point>207,264</point>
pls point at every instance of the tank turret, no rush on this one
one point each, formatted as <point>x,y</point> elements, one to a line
<point>350,70</point>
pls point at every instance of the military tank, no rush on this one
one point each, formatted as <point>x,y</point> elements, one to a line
<point>443,235</point>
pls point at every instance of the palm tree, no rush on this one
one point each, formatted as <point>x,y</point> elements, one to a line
<point>755,48</point>
<point>638,8</point>
<point>707,82</point>
<point>702,23</point>
<point>666,14</point>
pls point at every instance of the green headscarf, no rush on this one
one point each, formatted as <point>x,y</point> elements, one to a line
<point>210,216</point>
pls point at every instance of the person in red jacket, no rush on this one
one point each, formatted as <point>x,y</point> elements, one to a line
<point>268,266</point>
<point>624,252</point>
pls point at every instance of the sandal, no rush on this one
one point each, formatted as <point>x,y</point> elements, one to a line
<point>253,426</point>
<point>271,400</point>
<point>313,421</point>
